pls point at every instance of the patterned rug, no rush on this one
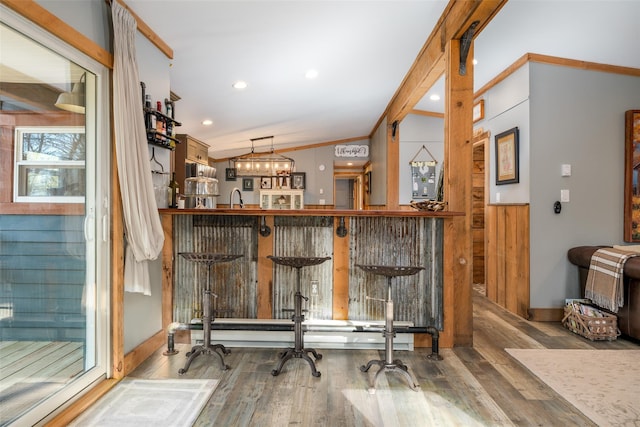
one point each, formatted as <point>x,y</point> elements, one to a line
<point>603,384</point>
<point>135,402</point>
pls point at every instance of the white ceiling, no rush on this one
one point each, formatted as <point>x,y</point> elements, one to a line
<point>362,50</point>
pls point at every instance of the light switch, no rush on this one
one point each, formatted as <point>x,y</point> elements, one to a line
<point>566,170</point>
<point>564,196</point>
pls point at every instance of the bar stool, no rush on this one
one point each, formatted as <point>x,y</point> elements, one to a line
<point>298,351</point>
<point>207,348</point>
<point>389,363</point>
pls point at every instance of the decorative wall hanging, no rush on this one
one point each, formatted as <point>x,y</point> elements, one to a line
<point>507,159</point>
<point>423,176</point>
<point>631,176</point>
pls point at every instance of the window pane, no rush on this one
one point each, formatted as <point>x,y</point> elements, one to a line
<point>51,146</point>
<point>48,182</point>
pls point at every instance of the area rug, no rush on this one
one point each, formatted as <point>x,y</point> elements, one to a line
<point>603,384</point>
<point>136,402</point>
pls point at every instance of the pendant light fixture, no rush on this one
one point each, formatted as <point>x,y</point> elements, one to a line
<point>262,164</point>
<point>73,101</point>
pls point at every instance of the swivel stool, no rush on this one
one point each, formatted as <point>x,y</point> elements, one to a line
<point>298,351</point>
<point>389,363</point>
<point>207,348</point>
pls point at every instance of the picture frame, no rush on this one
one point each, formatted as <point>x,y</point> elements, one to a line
<point>230,174</point>
<point>265,182</point>
<point>247,184</point>
<point>507,157</point>
<point>298,180</point>
<point>631,175</point>
<point>478,111</point>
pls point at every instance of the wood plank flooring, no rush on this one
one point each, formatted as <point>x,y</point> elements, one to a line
<point>32,370</point>
<point>480,385</point>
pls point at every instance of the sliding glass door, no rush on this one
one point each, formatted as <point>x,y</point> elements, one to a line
<point>54,229</point>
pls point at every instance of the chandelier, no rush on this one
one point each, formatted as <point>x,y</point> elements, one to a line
<point>262,164</point>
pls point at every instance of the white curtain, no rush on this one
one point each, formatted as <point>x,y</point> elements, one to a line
<point>143,229</point>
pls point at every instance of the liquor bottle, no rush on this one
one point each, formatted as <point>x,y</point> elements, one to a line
<point>149,122</point>
<point>174,189</point>
<point>160,129</point>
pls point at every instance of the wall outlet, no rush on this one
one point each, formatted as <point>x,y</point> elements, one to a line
<point>564,196</point>
<point>314,287</point>
<point>322,202</point>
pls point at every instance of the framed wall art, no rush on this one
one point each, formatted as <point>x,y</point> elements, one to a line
<point>298,180</point>
<point>478,111</point>
<point>507,158</point>
<point>247,184</point>
<point>631,176</point>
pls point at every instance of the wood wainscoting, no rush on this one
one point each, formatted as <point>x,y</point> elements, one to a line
<point>507,256</point>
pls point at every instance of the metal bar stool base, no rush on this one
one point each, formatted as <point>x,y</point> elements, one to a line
<point>396,366</point>
<point>207,348</point>
<point>298,351</point>
<point>211,350</point>
<point>389,364</point>
<point>298,354</point>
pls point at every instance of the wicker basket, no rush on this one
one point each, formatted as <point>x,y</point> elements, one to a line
<point>589,322</point>
<point>428,205</point>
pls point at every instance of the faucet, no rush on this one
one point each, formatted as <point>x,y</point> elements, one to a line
<point>239,198</point>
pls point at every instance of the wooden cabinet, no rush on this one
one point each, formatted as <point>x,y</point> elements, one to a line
<point>192,150</point>
<point>282,199</point>
<point>189,150</point>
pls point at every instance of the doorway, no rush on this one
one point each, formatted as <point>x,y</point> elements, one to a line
<point>479,193</point>
<point>348,191</point>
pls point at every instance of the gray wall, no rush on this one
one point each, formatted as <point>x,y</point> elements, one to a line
<point>565,116</point>
<point>378,156</point>
<point>577,117</point>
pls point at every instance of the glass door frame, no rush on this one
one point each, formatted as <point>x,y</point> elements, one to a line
<point>97,217</point>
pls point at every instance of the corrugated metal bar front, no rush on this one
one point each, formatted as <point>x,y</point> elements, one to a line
<point>300,237</point>
<point>234,282</point>
<point>396,242</point>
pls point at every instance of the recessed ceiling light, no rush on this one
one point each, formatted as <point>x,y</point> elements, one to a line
<point>240,84</point>
<point>350,164</point>
<point>311,74</point>
<point>435,97</point>
<point>207,122</point>
<point>475,61</point>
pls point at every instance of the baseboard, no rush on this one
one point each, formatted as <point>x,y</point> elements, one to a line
<point>546,314</point>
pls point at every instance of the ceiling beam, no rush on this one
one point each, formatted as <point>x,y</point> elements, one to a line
<point>429,65</point>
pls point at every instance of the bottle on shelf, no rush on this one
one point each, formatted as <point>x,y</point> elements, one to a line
<point>174,191</point>
<point>149,122</point>
<point>160,125</point>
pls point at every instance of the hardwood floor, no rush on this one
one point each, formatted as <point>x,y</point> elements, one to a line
<point>480,385</point>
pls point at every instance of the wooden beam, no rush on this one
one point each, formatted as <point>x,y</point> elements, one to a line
<point>430,62</point>
<point>458,167</point>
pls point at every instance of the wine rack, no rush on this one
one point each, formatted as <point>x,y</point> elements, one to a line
<point>158,138</point>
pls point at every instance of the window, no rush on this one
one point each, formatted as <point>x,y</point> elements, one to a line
<point>50,164</point>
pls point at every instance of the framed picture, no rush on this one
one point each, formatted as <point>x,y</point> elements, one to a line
<point>247,184</point>
<point>631,176</point>
<point>265,182</point>
<point>298,180</point>
<point>507,161</point>
<point>478,111</point>
<point>230,174</point>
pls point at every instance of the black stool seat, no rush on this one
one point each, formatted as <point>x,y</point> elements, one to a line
<point>210,259</point>
<point>389,363</point>
<point>298,351</point>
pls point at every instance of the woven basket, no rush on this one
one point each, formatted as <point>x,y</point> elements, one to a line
<point>596,325</point>
<point>429,205</point>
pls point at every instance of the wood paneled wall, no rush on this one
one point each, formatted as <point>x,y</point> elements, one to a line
<point>507,256</point>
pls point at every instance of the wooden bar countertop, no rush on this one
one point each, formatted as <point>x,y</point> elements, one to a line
<point>310,212</point>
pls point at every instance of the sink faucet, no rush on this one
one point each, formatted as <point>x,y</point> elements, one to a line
<point>239,198</point>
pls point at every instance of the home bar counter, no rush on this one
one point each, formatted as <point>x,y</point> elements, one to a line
<point>253,287</point>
